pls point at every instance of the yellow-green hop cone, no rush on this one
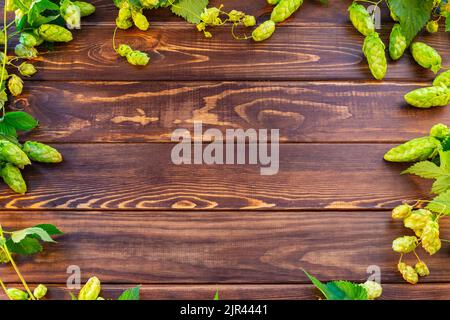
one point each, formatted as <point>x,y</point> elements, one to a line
<point>140,21</point>
<point>3,256</point>
<point>40,291</point>
<point>264,31</point>
<point>72,16</point>
<point>86,9</point>
<point>436,96</point>
<point>29,39</point>
<point>443,79</point>
<point>284,9</point>
<point>124,24</point>
<point>373,289</point>
<point>25,52</point>
<point>273,2</point>
<point>235,15</point>
<point>432,26</point>
<point>426,56</point>
<point>361,19</point>
<point>149,3</point>
<point>249,21</point>
<point>397,42</point>
<point>405,244</point>
<point>373,49</point>
<point>430,238</point>
<point>91,289</point>
<point>54,33</point>
<point>11,153</point>
<point>124,13</point>
<point>16,294</point>
<point>408,273</point>
<point>401,211</point>
<point>4,75</point>
<point>27,69</point>
<point>13,178</point>
<point>439,131</point>
<point>15,85</point>
<point>41,152</point>
<point>418,149</point>
<point>422,269</point>
<point>138,58</point>
<point>123,50</point>
<point>211,16</point>
<point>417,220</point>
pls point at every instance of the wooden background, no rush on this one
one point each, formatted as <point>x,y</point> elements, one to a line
<point>132,217</point>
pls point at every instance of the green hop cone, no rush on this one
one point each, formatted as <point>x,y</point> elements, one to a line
<point>3,256</point>
<point>138,58</point>
<point>402,211</point>
<point>422,269</point>
<point>123,50</point>
<point>211,17</point>
<point>25,52</point>
<point>4,75</point>
<point>439,131</point>
<point>373,49</point>
<point>284,9</point>
<point>442,79</point>
<point>40,291</point>
<point>15,85</point>
<point>54,33</point>
<point>11,153</point>
<point>418,149</point>
<point>40,152</point>
<point>149,3</point>
<point>16,294</point>
<point>29,39</point>
<point>91,289</point>
<point>405,244</point>
<point>124,24</point>
<point>124,13</point>
<point>436,96</point>
<point>432,26</point>
<point>426,56</point>
<point>373,289</point>
<point>140,21</point>
<point>408,273</point>
<point>397,42</point>
<point>249,21</point>
<point>361,19</point>
<point>236,16</point>
<point>86,9</point>
<point>430,238</point>
<point>264,31</point>
<point>27,69</point>
<point>72,16</point>
<point>417,220</point>
<point>13,178</point>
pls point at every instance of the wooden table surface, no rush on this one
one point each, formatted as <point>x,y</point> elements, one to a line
<point>130,216</point>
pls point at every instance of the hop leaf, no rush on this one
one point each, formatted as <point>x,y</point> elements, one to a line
<point>190,10</point>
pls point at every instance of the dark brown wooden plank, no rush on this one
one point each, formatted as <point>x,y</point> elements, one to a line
<point>179,52</point>
<point>150,112</point>
<point>219,247</point>
<point>142,176</point>
<point>251,292</point>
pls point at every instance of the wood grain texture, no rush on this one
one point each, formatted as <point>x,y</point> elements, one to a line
<point>433,291</point>
<point>219,247</point>
<point>142,176</point>
<point>179,52</point>
<point>150,112</point>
